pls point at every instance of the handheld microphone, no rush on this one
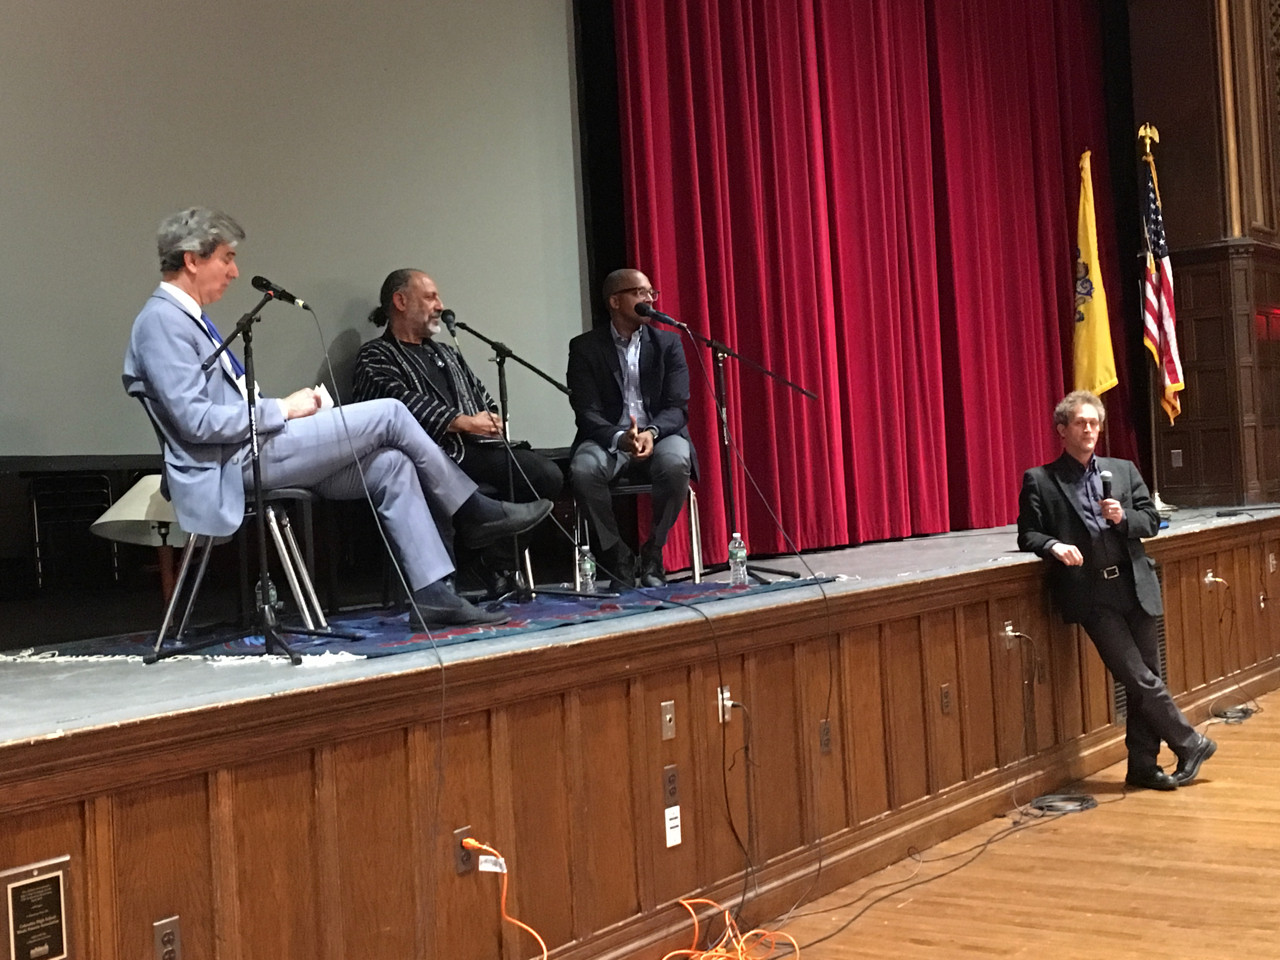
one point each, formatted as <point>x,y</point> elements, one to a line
<point>279,293</point>
<point>450,320</point>
<point>1106,484</point>
<point>646,310</point>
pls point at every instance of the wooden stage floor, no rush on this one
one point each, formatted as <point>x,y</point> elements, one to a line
<point>1188,875</point>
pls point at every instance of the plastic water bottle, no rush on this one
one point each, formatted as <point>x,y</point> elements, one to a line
<point>586,569</point>
<point>738,562</point>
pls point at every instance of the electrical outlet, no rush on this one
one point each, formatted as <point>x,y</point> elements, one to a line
<point>1208,577</point>
<point>668,709</point>
<point>724,704</point>
<point>168,938</point>
<point>1271,563</point>
<point>824,736</point>
<point>1008,634</point>
<point>670,786</point>
<point>945,698</point>
<point>464,860</point>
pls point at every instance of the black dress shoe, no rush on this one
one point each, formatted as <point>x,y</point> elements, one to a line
<point>620,567</point>
<point>1189,766</point>
<point>438,605</point>
<point>517,518</point>
<point>1153,779</point>
<point>652,573</point>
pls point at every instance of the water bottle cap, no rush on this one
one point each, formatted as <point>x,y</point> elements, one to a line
<point>736,535</point>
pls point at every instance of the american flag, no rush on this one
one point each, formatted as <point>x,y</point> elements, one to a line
<point>1159,317</point>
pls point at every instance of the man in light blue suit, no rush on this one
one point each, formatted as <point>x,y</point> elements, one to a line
<point>203,419</point>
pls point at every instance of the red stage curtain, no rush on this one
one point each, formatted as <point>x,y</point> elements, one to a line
<point>877,199</point>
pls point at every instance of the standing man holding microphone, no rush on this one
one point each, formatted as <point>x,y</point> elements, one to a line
<point>1086,516</point>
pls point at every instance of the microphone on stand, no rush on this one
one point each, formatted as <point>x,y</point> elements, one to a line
<point>450,320</point>
<point>646,310</point>
<point>278,293</point>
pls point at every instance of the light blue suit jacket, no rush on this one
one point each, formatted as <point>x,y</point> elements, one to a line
<point>200,415</point>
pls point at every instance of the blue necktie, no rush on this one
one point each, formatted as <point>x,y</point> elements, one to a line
<point>216,337</point>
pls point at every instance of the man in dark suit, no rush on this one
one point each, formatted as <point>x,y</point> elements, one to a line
<point>1086,516</point>
<point>629,388</point>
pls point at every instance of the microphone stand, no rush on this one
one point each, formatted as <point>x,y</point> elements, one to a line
<point>272,631</point>
<point>501,353</point>
<point>720,352</point>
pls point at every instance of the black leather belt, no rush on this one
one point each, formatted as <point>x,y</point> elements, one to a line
<point>1109,573</point>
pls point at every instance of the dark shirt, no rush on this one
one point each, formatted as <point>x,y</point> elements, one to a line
<point>1108,548</point>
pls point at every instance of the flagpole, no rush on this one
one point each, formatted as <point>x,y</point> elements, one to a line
<point>1147,133</point>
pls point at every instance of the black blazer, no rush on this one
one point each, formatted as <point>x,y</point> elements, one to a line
<point>595,384</point>
<point>1048,513</point>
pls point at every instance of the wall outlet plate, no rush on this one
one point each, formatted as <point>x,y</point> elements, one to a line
<point>464,860</point>
<point>167,934</point>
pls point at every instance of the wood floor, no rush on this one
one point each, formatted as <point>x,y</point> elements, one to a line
<point>1193,874</point>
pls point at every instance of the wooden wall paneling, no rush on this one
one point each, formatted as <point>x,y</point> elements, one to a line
<point>1099,692</point>
<point>863,685</point>
<point>461,919</point>
<point>1213,608</point>
<point>1012,700</point>
<point>977,698</point>
<point>1271,581</point>
<point>1242,628</point>
<point>541,879</point>
<point>720,794</point>
<point>1190,572</point>
<point>605,889</point>
<point>775,743</point>
<point>162,858</point>
<point>327,852</point>
<point>1175,630</point>
<point>908,741</point>
<point>222,854</point>
<point>818,668</point>
<point>101,911</point>
<point>43,835</point>
<point>375,849</point>
<point>676,870</point>
<point>1061,649</point>
<point>274,816</point>
<point>941,668</point>
<point>1038,659</point>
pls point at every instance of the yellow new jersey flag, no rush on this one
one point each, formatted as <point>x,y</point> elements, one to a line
<point>1095,364</point>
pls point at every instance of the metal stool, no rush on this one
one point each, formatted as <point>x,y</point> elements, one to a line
<point>625,489</point>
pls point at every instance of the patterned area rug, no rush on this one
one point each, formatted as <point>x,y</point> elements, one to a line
<point>384,633</point>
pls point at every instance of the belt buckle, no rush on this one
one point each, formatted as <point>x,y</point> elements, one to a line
<point>1110,573</point>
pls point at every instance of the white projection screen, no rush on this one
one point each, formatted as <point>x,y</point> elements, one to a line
<point>348,139</point>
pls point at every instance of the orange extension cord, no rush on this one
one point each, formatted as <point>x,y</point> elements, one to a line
<point>473,844</point>
<point>732,945</point>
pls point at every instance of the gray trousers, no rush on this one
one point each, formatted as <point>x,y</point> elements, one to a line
<point>594,468</point>
<point>403,467</point>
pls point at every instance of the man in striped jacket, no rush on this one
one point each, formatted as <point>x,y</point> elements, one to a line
<point>433,380</point>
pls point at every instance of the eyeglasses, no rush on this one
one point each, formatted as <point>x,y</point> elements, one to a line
<point>645,293</point>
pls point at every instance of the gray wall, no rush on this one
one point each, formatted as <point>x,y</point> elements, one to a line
<point>347,138</point>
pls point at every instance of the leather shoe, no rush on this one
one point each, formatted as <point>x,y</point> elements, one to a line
<point>517,518</point>
<point>437,604</point>
<point>1153,779</point>
<point>652,573</point>
<point>620,567</point>
<point>1189,766</point>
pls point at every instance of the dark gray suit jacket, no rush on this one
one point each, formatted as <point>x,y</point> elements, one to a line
<point>595,384</point>
<point>1048,513</point>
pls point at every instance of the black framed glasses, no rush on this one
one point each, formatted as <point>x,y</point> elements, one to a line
<point>645,293</point>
